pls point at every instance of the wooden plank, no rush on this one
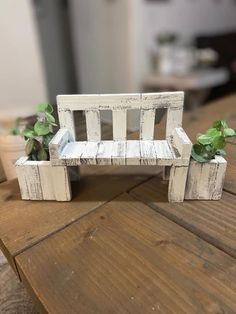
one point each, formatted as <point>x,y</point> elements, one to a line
<point>25,223</point>
<point>133,156</point>
<point>66,120</point>
<point>148,154</point>
<point>55,182</point>
<point>58,143</point>
<point>104,153</point>
<point>119,123</point>
<point>120,101</point>
<point>205,181</point>
<point>119,153</point>
<point>174,120</point>
<point>165,156</point>
<point>177,183</point>
<point>124,258</point>
<point>212,221</point>
<point>93,125</point>
<point>182,143</point>
<point>32,179</point>
<point>22,178</point>
<point>72,153</point>
<point>90,153</point>
<point>147,120</point>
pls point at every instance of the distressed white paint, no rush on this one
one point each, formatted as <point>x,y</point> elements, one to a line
<point>174,120</point>
<point>119,101</point>
<point>147,153</point>
<point>58,143</point>
<point>119,153</point>
<point>164,154</point>
<point>182,143</point>
<point>90,153</point>
<point>93,125</point>
<point>72,153</point>
<point>177,183</point>
<point>147,121</point>
<point>22,178</point>
<point>133,154</point>
<point>119,118</point>
<point>66,120</point>
<point>38,180</point>
<point>205,180</point>
<point>104,153</point>
<point>174,152</point>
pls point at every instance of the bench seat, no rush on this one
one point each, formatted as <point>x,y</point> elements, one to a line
<point>133,152</point>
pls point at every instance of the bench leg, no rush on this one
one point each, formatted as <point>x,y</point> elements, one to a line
<point>177,183</point>
<point>166,173</point>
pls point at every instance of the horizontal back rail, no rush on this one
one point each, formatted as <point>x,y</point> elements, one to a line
<point>119,104</point>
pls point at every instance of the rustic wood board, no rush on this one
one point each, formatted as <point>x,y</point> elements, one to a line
<point>126,258</point>
<point>24,223</point>
<point>214,221</point>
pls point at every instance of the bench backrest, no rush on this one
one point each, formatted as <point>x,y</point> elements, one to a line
<point>147,103</point>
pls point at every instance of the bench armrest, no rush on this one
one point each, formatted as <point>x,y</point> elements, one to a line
<point>182,143</point>
<point>58,142</point>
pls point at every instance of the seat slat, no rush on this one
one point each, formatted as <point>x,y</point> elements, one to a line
<point>104,153</point>
<point>119,125</point>
<point>148,154</point>
<point>163,153</point>
<point>72,153</point>
<point>90,153</point>
<point>93,125</point>
<point>133,153</point>
<point>119,152</point>
<point>147,121</point>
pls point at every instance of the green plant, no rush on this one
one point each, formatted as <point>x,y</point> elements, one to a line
<point>16,129</point>
<point>212,142</point>
<point>39,135</point>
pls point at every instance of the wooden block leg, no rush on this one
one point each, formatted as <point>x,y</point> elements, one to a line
<point>177,183</point>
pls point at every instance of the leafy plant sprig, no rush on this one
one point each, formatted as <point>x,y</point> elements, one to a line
<point>213,142</point>
<point>39,135</point>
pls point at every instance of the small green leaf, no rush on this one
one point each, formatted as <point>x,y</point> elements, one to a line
<point>229,132</point>
<point>218,142</point>
<point>217,124</point>
<point>213,132</point>
<point>49,117</point>
<point>42,154</point>
<point>224,124</point>
<point>41,128</point>
<point>29,133</point>
<point>45,107</point>
<point>197,152</point>
<point>46,140</point>
<point>29,146</point>
<point>204,139</point>
<point>220,152</point>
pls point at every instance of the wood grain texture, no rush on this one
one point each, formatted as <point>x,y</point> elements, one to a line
<point>213,221</point>
<point>147,120</point>
<point>24,223</point>
<point>58,143</point>
<point>93,125</point>
<point>125,258</point>
<point>205,181</point>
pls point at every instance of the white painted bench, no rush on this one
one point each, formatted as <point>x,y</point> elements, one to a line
<point>174,151</point>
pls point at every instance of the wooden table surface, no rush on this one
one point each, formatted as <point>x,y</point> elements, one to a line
<point>120,247</point>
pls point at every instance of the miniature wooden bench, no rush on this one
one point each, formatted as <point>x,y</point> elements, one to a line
<point>174,151</point>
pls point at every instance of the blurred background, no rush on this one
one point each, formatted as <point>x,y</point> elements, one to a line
<point>51,47</point>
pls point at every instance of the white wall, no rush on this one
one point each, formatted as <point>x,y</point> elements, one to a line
<point>22,81</point>
<point>188,17</point>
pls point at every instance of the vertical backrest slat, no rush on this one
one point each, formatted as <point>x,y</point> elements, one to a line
<point>174,120</point>
<point>66,120</point>
<point>147,121</point>
<point>119,124</point>
<point>93,125</point>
